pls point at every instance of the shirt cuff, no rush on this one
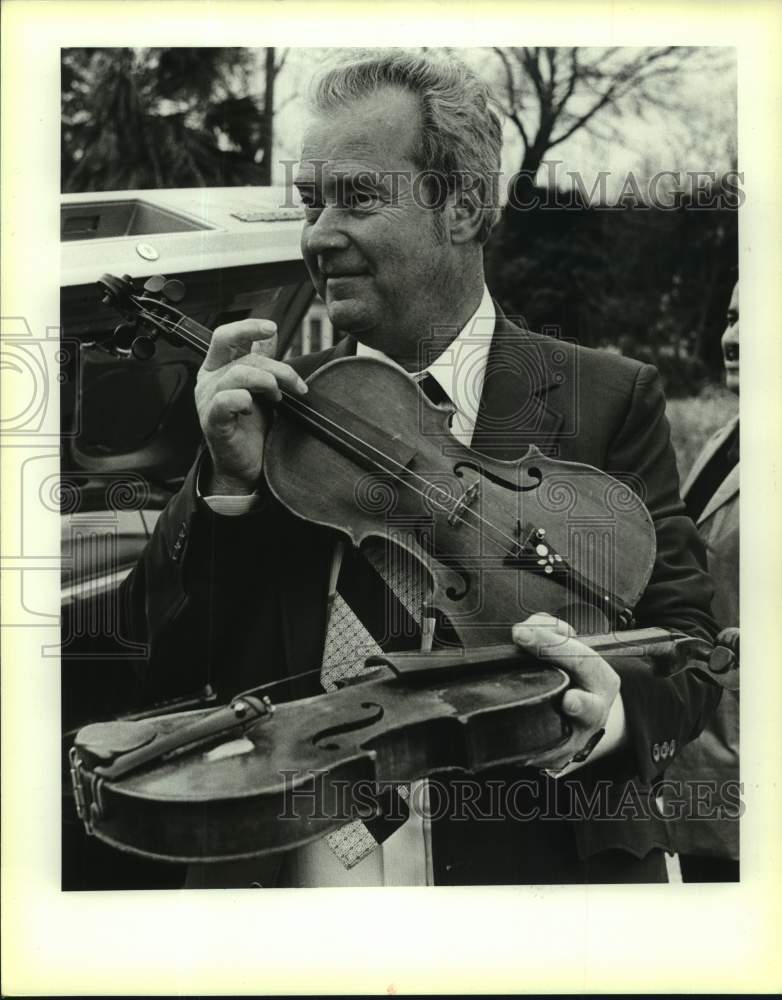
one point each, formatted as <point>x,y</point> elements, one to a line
<point>615,736</point>
<point>228,506</point>
<point>232,506</point>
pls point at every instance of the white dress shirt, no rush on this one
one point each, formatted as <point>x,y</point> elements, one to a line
<point>461,368</point>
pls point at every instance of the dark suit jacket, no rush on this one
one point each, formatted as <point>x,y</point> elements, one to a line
<point>237,601</point>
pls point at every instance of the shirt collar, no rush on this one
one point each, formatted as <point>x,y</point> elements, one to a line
<point>461,368</point>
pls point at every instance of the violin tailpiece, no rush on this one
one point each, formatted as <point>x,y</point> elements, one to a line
<point>534,553</point>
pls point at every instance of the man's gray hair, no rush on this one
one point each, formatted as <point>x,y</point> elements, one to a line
<point>461,132</point>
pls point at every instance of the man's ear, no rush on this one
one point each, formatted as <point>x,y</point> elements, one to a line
<point>464,216</point>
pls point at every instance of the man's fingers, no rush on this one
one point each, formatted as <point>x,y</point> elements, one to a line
<point>233,348</point>
<point>286,376</point>
<point>229,404</point>
<point>258,381</point>
<point>265,348</point>
<point>588,670</point>
<point>233,340</point>
<point>545,620</point>
<point>584,706</point>
<point>542,630</point>
<point>552,640</point>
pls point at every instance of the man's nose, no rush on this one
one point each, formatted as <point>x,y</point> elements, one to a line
<point>326,233</point>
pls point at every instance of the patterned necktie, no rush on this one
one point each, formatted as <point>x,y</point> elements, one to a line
<point>349,642</point>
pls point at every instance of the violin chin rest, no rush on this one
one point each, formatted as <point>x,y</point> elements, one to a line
<point>105,741</point>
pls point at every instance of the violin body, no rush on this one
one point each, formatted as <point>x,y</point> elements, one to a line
<point>367,454</point>
<point>499,540</point>
<point>251,779</point>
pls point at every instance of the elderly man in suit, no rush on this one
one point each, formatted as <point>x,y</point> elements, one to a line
<point>396,177</point>
<point>708,843</point>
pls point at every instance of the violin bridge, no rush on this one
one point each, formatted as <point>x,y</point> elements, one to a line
<point>465,501</point>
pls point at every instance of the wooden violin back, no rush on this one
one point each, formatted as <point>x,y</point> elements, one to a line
<point>180,788</point>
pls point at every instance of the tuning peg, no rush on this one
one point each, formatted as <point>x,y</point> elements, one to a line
<point>143,348</point>
<point>124,334</point>
<point>155,284</point>
<point>174,290</point>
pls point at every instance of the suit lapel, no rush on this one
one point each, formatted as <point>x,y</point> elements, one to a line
<point>705,456</point>
<point>345,348</point>
<point>306,364</point>
<point>727,490</point>
<point>517,401</point>
<point>303,600</point>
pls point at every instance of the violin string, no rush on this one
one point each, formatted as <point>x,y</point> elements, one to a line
<point>403,474</point>
<point>315,416</point>
<point>448,502</point>
<point>337,429</point>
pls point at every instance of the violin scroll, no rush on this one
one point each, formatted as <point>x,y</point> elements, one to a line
<point>148,314</point>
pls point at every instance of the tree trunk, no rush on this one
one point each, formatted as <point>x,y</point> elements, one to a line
<point>533,157</point>
<point>268,114</point>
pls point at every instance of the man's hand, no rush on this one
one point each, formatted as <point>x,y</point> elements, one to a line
<point>237,384</point>
<point>595,683</point>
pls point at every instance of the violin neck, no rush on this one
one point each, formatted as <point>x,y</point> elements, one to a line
<point>192,333</point>
<point>330,427</point>
<point>667,651</point>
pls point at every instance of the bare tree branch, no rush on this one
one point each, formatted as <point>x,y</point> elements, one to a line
<point>571,87</point>
<point>514,99</point>
<point>572,80</point>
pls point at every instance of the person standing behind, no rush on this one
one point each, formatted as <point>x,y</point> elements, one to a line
<point>708,846</point>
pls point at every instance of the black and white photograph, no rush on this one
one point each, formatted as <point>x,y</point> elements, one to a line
<point>443,482</point>
<point>391,424</point>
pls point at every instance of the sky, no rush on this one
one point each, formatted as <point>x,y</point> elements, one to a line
<point>699,135</point>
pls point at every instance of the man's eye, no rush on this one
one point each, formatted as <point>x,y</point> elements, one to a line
<point>362,200</point>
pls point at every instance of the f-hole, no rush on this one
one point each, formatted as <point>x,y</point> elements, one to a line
<point>374,714</point>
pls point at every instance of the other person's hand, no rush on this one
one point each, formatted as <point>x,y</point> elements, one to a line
<point>237,385</point>
<point>595,684</point>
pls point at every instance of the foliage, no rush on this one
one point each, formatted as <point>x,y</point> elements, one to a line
<point>551,93</point>
<point>650,282</point>
<point>693,421</point>
<point>158,118</point>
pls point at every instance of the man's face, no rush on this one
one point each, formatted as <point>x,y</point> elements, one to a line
<point>370,243</point>
<point>730,342</point>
